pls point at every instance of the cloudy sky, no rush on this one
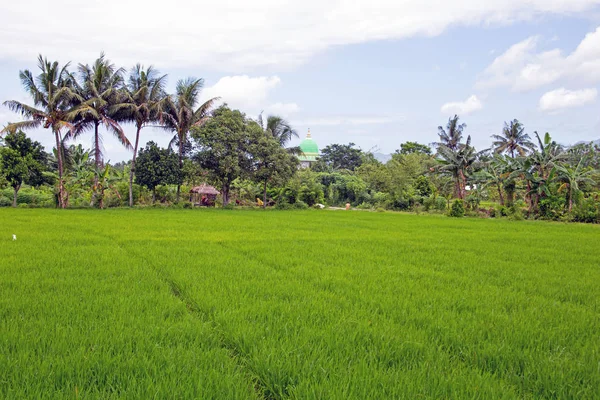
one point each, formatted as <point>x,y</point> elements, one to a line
<point>373,72</point>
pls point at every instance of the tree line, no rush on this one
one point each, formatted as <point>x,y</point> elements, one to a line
<point>519,175</point>
<point>102,97</point>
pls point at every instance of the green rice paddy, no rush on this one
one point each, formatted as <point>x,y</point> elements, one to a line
<point>215,304</point>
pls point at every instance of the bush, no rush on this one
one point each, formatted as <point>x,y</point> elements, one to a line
<point>311,193</point>
<point>458,209</point>
<point>500,211</point>
<point>587,211</point>
<point>299,205</point>
<point>552,207</point>
<point>364,206</point>
<point>4,202</point>
<point>400,203</point>
<point>187,204</point>
<point>473,201</point>
<point>515,213</point>
<point>381,200</point>
<point>440,203</point>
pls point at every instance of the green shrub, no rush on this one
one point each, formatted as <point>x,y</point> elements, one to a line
<point>458,209</point>
<point>400,204</point>
<point>300,205</point>
<point>4,202</point>
<point>515,213</point>
<point>587,211</point>
<point>473,201</point>
<point>187,204</point>
<point>500,211</point>
<point>440,203</point>
<point>552,207</point>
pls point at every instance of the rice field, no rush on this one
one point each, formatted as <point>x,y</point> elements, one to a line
<point>317,304</point>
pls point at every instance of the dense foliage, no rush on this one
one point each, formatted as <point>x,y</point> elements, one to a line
<point>250,161</point>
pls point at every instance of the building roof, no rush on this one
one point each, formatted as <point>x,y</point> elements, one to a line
<point>204,189</point>
<point>309,148</point>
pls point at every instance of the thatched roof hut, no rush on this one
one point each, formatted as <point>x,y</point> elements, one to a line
<point>203,195</point>
<point>205,189</point>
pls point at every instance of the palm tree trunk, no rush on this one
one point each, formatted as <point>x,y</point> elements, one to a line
<point>500,194</point>
<point>132,172</point>
<point>570,197</point>
<point>265,195</point>
<point>16,192</point>
<point>98,161</point>
<point>529,198</point>
<point>60,170</point>
<point>180,168</point>
<point>97,147</point>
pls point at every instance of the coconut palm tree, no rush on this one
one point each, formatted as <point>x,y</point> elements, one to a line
<point>182,113</point>
<point>281,131</point>
<point>142,101</point>
<point>459,163</point>
<point>452,135</point>
<point>99,91</point>
<point>53,97</point>
<point>513,139</point>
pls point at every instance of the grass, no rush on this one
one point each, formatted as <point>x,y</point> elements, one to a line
<point>306,304</point>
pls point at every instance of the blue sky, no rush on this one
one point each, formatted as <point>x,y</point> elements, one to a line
<point>377,73</point>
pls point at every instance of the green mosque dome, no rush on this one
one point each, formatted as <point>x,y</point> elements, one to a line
<point>310,149</point>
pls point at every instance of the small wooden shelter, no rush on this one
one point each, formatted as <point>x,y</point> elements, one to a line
<point>203,195</point>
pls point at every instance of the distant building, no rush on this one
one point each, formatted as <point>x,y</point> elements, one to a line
<point>310,151</point>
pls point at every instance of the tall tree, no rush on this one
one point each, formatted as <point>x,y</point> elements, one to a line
<point>272,162</point>
<point>452,135</point>
<point>157,166</point>
<point>142,103</point>
<point>225,147</point>
<point>99,92</point>
<point>342,156</point>
<point>182,113</point>
<point>460,163</point>
<point>513,139</point>
<point>53,96</point>
<point>22,161</point>
<point>413,147</point>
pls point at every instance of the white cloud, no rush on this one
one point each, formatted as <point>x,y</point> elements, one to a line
<point>236,35</point>
<point>250,94</point>
<point>341,120</point>
<point>282,109</point>
<point>563,98</point>
<point>466,107</point>
<point>242,91</point>
<point>522,67</point>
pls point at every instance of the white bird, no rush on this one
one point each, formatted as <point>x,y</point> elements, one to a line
<point>14,237</point>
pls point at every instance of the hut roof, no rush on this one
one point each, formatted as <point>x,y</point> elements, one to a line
<point>204,189</point>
